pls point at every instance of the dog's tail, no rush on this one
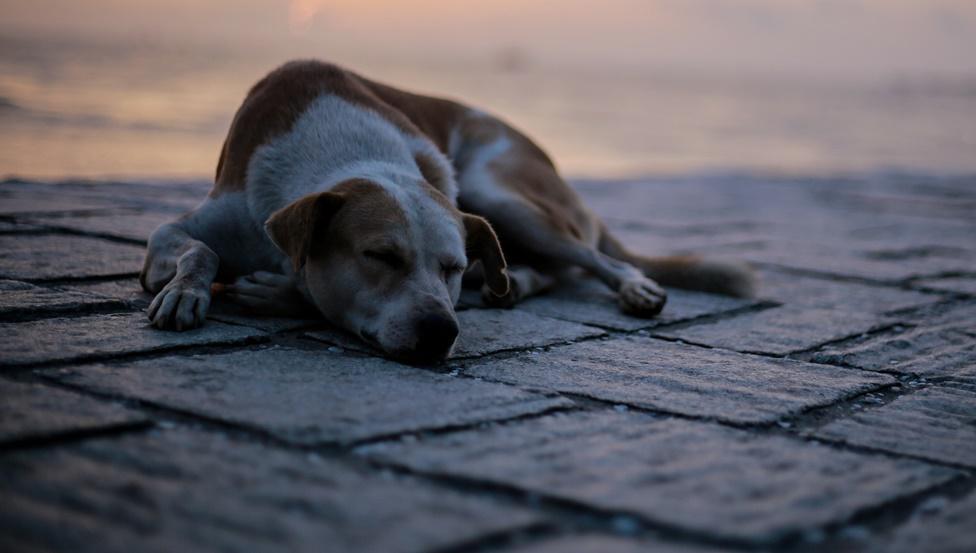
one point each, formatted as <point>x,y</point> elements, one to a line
<point>732,278</point>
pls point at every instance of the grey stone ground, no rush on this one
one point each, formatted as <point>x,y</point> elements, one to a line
<point>836,412</point>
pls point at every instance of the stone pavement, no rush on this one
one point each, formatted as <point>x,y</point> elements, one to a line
<point>836,412</point>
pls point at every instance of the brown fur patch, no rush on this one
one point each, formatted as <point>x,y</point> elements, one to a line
<point>279,99</point>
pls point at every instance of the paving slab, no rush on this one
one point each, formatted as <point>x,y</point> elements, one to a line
<point>311,396</point>
<point>179,490</point>
<point>34,257</point>
<point>942,526</point>
<point>685,379</point>
<point>35,411</point>
<point>842,296</point>
<point>590,302</point>
<point>130,226</point>
<point>486,331</point>
<point>828,259</point>
<point>126,290</point>
<point>21,299</point>
<point>700,477</point>
<point>939,346</point>
<point>33,199</point>
<point>779,330</point>
<point>594,543</point>
<point>959,285</point>
<point>79,338</point>
<point>937,422</point>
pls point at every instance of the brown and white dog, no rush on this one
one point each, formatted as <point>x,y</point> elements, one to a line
<point>370,204</point>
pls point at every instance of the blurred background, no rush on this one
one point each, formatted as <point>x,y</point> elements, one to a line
<point>139,88</point>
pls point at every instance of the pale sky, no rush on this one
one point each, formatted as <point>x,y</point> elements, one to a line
<point>859,38</point>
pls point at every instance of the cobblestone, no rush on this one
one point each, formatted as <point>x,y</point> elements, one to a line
<point>185,491</point>
<point>32,411</point>
<point>560,425</point>
<point>310,396</point>
<point>698,477</point>
<point>53,256</point>
<point>779,331</point>
<point>79,338</point>
<point>937,422</point>
<point>689,380</point>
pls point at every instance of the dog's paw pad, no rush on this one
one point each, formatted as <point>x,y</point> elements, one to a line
<point>642,298</point>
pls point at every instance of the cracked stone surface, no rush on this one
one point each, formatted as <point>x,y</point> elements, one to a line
<point>57,256</point>
<point>684,379</point>
<point>132,226</point>
<point>778,331</point>
<point>610,544</point>
<point>79,338</point>
<point>938,422</point>
<point>941,345</point>
<point>691,475</point>
<point>179,490</point>
<point>22,299</point>
<point>34,411</point>
<point>311,396</point>
<point>590,302</point>
<point>560,425</point>
<point>939,525</point>
<point>840,296</point>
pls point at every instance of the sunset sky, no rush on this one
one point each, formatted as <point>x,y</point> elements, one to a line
<point>846,38</point>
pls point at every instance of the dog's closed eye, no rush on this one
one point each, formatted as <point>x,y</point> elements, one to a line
<point>389,258</point>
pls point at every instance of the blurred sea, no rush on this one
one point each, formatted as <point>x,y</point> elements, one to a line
<point>136,109</point>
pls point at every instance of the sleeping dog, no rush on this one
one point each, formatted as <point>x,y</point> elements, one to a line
<point>370,205</point>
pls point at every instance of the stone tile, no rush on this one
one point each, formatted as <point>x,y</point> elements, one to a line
<point>828,259</point>
<point>942,345</point>
<point>178,490</point>
<point>311,396</point>
<point>778,331</point>
<point>594,543</point>
<point>77,338</point>
<point>846,296</point>
<point>132,226</point>
<point>699,477</point>
<point>20,299</point>
<point>485,331</point>
<point>56,256</point>
<point>127,290</point>
<point>937,422</point>
<point>229,313</point>
<point>31,411</point>
<point>590,302</point>
<point>690,380</point>
<point>21,200</point>
<point>961,285</point>
<point>938,529</point>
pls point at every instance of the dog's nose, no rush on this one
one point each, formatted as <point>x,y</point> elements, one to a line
<point>435,336</point>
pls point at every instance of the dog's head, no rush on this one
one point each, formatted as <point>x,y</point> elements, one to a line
<point>386,262</point>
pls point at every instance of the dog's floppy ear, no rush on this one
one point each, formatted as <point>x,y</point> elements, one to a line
<point>482,243</point>
<point>294,227</point>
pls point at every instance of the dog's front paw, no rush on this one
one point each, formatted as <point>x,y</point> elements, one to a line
<point>267,293</point>
<point>642,297</point>
<point>180,306</point>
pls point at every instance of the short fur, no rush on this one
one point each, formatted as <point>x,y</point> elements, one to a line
<point>366,202</point>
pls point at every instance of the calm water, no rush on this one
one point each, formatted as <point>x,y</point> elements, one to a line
<point>87,109</point>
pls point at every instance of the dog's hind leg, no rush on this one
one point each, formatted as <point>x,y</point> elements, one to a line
<point>535,213</point>
<point>179,270</point>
